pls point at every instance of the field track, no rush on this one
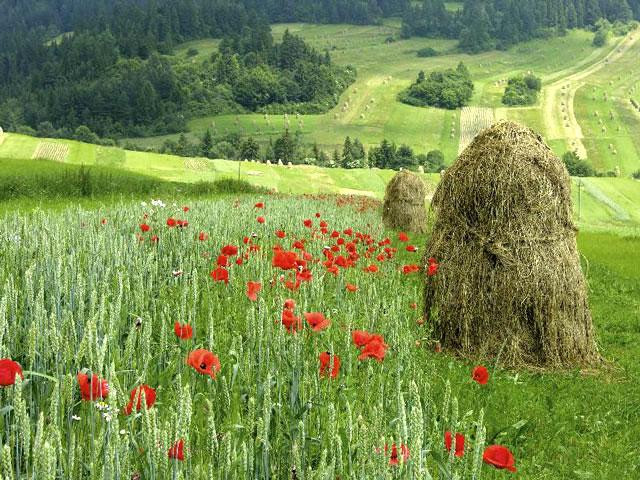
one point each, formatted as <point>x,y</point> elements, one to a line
<point>472,121</point>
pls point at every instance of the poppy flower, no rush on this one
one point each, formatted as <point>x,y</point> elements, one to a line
<point>8,371</point>
<point>260,220</point>
<point>381,257</point>
<point>374,349</point>
<point>171,222</point>
<point>182,223</point>
<point>259,205</point>
<point>252,290</point>
<point>220,275</point>
<point>362,337</point>
<point>144,227</point>
<point>432,269</point>
<point>409,269</point>
<point>323,224</point>
<point>335,234</point>
<point>481,375</point>
<point>325,360</point>
<point>291,285</point>
<point>205,362</point>
<point>103,221</point>
<point>348,232</point>
<point>308,223</point>
<point>280,234</point>
<point>500,457</point>
<point>350,287</point>
<point>459,449</point>
<point>184,332</point>
<point>149,398</point>
<point>304,275</point>
<point>317,321</point>
<point>92,388</point>
<point>371,269</point>
<point>203,237</point>
<point>318,215</point>
<point>333,269</point>
<point>239,261</point>
<point>411,248</point>
<point>229,250</point>
<point>413,305</point>
<point>285,260</point>
<point>394,459</point>
<point>403,237</point>
<point>289,304</point>
<point>246,240</point>
<point>222,261</point>
<point>185,209</point>
<point>177,450</point>
<point>154,239</point>
<point>290,321</point>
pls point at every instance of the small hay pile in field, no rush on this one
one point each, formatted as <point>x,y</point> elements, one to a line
<point>404,203</point>
<point>509,283</point>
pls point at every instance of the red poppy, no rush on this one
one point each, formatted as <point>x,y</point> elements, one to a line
<point>500,457</point>
<point>308,223</point>
<point>325,359</point>
<point>317,321</point>
<point>229,250</point>
<point>93,388</point>
<point>246,240</point>
<point>182,223</point>
<point>280,234</point>
<point>252,290</point>
<point>374,349</point>
<point>205,362</point>
<point>413,305</point>
<point>103,221</point>
<point>285,260</point>
<point>403,237</point>
<point>348,232</point>
<point>184,332</point>
<point>411,248</point>
<point>8,371</point>
<point>222,261</point>
<point>203,237</point>
<point>298,245</point>
<point>409,269</point>
<point>333,269</point>
<point>220,275</point>
<point>290,321</point>
<point>289,304</point>
<point>480,375</point>
<point>177,450</point>
<point>185,209</point>
<point>459,443</point>
<point>362,337</point>
<point>259,205</point>
<point>149,398</point>
<point>323,224</point>
<point>239,261</point>
<point>381,257</point>
<point>394,458</point>
<point>350,287</point>
<point>154,238</point>
<point>260,219</point>
<point>171,222</point>
<point>291,285</point>
<point>335,234</point>
<point>432,269</point>
<point>318,215</point>
<point>371,269</point>
<point>304,275</point>
<point>144,227</point>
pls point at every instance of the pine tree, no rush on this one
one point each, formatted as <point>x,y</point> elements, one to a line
<point>206,144</point>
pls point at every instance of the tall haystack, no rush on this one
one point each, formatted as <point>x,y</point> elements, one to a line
<point>509,282</point>
<point>404,203</point>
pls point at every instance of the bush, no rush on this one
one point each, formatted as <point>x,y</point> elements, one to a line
<point>445,89</point>
<point>192,52</point>
<point>428,52</point>
<point>636,174</point>
<point>576,166</point>
<point>434,162</point>
<point>522,90</point>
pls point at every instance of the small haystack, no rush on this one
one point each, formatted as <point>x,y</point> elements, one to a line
<point>404,203</point>
<point>509,282</point>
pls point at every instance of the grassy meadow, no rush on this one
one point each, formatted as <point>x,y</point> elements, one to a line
<point>108,297</point>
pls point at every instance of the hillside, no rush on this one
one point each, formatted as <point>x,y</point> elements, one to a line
<point>599,203</point>
<point>369,109</point>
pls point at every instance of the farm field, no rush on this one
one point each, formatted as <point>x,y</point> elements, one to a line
<point>108,297</point>
<point>385,69</point>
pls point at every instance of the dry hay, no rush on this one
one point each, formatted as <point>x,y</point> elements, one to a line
<point>51,151</point>
<point>195,164</point>
<point>404,203</point>
<point>510,283</point>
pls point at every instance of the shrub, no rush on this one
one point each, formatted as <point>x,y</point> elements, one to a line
<point>428,52</point>
<point>576,166</point>
<point>434,162</point>
<point>522,90</point>
<point>445,89</point>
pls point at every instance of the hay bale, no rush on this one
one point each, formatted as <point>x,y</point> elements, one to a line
<point>404,203</point>
<point>510,282</point>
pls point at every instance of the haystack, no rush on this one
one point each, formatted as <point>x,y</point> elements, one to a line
<point>404,203</point>
<point>509,282</point>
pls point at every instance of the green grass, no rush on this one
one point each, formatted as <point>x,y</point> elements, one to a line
<point>386,69</point>
<point>85,283</point>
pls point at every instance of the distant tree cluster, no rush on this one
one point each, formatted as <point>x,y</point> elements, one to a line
<point>451,88</point>
<point>289,148</point>
<point>578,167</point>
<point>485,24</point>
<point>522,90</point>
